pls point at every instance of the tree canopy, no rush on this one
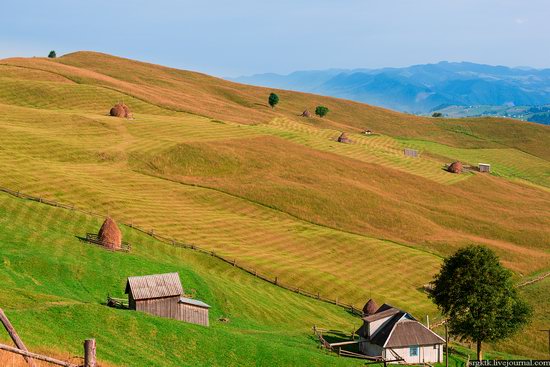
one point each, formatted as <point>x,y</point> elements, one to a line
<point>321,111</point>
<point>52,54</point>
<point>273,100</point>
<point>478,297</point>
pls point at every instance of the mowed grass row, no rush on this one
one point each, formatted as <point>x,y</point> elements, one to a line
<point>107,142</point>
<point>314,258</point>
<point>54,288</point>
<point>507,163</point>
<point>382,150</point>
<point>69,96</point>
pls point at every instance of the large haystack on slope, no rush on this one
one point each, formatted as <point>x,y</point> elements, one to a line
<point>455,167</point>
<point>370,307</point>
<point>343,138</point>
<point>121,110</point>
<point>109,234</point>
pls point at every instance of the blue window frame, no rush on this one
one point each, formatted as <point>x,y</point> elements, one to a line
<point>413,351</point>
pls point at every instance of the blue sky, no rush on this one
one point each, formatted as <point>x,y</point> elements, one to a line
<point>231,38</point>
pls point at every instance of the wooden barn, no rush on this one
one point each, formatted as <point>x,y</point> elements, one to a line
<point>161,295</point>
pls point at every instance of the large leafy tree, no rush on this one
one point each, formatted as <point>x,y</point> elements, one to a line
<point>52,54</point>
<point>273,100</point>
<point>478,297</point>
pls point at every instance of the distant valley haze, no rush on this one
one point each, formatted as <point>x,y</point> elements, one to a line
<point>422,89</point>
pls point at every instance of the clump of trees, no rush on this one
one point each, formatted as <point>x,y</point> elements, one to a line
<point>437,114</point>
<point>321,111</point>
<point>273,100</point>
<point>52,54</point>
<point>477,295</point>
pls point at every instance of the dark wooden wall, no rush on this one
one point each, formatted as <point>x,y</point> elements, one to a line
<point>170,307</point>
<point>193,314</point>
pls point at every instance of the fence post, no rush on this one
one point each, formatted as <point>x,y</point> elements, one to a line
<point>318,295</point>
<point>276,279</point>
<point>14,336</point>
<point>89,353</point>
<point>234,262</point>
<point>336,301</point>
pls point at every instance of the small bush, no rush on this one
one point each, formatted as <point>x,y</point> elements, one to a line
<point>321,111</point>
<point>52,54</point>
<point>273,100</point>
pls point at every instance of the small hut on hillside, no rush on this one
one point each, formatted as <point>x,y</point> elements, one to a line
<point>109,234</point>
<point>121,110</point>
<point>370,307</point>
<point>455,167</point>
<point>306,113</point>
<point>343,138</point>
<point>484,167</point>
<point>161,295</point>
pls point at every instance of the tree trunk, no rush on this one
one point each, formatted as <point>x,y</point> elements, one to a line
<point>479,352</point>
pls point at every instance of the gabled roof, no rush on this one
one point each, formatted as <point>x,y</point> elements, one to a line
<point>410,332</point>
<point>383,311</point>
<point>154,286</point>
<point>194,302</point>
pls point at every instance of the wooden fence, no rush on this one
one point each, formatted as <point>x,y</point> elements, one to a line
<point>173,242</point>
<point>30,357</point>
<point>93,238</point>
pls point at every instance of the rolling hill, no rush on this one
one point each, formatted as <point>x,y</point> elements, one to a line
<point>206,161</point>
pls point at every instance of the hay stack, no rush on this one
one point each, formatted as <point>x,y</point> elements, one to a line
<point>120,110</point>
<point>455,167</point>
<point>109,234</point>
<point>370,307</point>
<point>306,114</point>
<point>343,138</point>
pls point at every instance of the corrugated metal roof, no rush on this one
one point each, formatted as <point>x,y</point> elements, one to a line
<point>194,302</point>
<point>154,286</point>
<point>409,332</point>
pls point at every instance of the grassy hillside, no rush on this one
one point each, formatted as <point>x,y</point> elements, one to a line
<point>207,162</point>
<point>54,288</point>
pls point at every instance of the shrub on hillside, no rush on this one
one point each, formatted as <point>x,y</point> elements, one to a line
<point>273,100</point>
<point>321,111</point>
<point>52,54</point>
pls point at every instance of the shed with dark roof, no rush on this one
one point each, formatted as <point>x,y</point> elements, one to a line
<point>161,295</point>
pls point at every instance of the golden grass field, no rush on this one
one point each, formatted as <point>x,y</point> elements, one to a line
<point>206,161</point>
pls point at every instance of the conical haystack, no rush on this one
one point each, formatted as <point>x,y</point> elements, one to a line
<point>370,307</point>
<point>120,110</point>
<point>109,234</point>
<point>343,138</point>
<point>455,167</point>
<point>305,114</point>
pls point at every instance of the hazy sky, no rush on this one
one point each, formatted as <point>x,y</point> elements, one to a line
<point>230,38</point>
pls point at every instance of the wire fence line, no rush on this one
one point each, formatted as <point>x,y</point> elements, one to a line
<point>176,243</point>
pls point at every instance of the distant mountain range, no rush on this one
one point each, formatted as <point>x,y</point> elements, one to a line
<point>421,89</point>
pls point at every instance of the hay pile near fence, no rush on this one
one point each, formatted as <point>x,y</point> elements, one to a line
<point>121,110</point>
<point>370,307</point>
<point>109,234</point>
<point>455,167</point>
<point>343,138</point>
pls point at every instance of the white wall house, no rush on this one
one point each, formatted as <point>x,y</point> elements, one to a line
<point>397,337</point>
